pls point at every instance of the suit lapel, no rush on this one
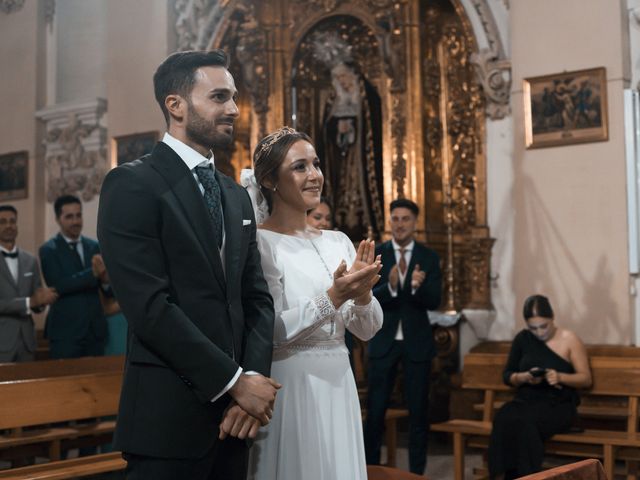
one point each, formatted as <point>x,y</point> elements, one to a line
<point>87,251</point>
<point>22,269</point>
<point>388,256</point>
<point>4,270</point>
<point>232,226</point>
<point>185,188</point>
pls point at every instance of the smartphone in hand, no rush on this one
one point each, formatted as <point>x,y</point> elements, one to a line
<point>538,372</point>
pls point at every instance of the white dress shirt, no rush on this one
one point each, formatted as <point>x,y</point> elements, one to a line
<point>408,251</point>
<point>193,159</point>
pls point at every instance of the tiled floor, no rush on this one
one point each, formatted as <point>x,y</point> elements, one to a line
<point>439,461</point>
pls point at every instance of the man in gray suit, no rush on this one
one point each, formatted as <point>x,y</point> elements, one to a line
<point>21,293</point>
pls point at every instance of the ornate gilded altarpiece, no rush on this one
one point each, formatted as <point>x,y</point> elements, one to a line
<point>419,97</point>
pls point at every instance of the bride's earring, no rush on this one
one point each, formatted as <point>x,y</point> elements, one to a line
<point>275,188</point>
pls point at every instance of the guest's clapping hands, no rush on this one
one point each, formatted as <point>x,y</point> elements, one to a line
<point>356,283</point>
<point>394,277</point>
<point>417,277</point>
<point>99,269</point>
<point>43,296</point>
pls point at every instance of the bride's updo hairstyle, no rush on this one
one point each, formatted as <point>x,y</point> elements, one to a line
<point>269,155</point>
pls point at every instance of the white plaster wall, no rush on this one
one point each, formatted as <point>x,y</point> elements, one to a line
<point>18,81</point>
<point>501,219</point>
<point>570,226</point>
<point>138,41</point>
<point>81,41</point>
<point>633,12</point>
<point>110,50</point>
<point>80,70</point>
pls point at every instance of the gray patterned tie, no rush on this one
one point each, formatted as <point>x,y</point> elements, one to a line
<point>212,199</point>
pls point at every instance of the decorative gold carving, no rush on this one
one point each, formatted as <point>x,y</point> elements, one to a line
<point>480,271</point>
<point>250,48</point>
<point>278,64</point>
<point>399,130</point>
<point>454,151</point>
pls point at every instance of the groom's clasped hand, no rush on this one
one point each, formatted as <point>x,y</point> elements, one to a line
<point>252,406</point>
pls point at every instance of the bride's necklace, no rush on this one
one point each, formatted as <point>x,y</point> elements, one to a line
<point>324,264</point>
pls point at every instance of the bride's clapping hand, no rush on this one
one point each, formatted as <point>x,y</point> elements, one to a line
<point>364,256</point>
<point>356,283</point>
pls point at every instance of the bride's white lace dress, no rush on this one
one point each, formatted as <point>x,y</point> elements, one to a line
<point>316,429</point>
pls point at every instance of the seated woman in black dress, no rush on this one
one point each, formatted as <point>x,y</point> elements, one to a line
<point>546,364</point>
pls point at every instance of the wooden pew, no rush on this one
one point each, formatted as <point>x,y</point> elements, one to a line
<point>77,467</point>
<point>612,376</point>
<point>29,406</point>
<point>584,470</point>
<point>60,368</point>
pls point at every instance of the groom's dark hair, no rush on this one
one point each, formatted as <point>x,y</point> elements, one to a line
<point>176,75</point>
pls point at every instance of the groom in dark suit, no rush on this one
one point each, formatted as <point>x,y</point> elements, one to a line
<point>410,284</point>
<point>179,242</point>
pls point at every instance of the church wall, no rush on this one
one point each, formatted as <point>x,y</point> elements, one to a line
<point>80,75</point>
<point>138,41</point>
<point>18,98</point>
<point>569,202</point>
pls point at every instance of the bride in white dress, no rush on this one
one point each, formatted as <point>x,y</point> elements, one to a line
<point>320,287</point>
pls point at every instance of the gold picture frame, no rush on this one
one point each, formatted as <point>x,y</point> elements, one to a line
<point>14,176</point>
<point>127,148</point>
<point>566,108</point>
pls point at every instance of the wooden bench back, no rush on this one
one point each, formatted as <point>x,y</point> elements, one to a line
<point>60,368</point>
<point>618,376</point>
<point>592,350</point>
<point>58,399</point>
<point>612,376</point>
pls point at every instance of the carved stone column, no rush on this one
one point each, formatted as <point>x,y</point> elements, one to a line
<point>76,148</point>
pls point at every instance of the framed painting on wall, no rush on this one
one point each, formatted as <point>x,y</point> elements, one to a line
<point>128,148</point>
<point>14,176</point>
<point>566,108</point>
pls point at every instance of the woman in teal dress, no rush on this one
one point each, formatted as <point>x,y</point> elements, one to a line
<point>546,365</point>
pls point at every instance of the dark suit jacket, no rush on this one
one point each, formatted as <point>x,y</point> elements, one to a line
<point>408,307</point>
<point>191,322</point>
<point>15,323</point>
<point>78,310</point>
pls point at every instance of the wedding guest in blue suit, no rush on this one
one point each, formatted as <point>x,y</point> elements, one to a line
<point>75,324</point>
<point>410,284</point>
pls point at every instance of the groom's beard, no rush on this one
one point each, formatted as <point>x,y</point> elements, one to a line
<point>203,132</point>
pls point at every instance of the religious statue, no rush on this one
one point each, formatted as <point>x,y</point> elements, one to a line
<point>351,152</point>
